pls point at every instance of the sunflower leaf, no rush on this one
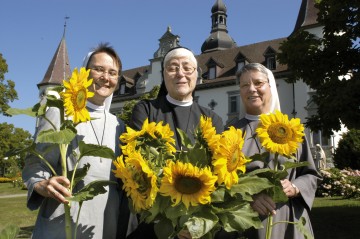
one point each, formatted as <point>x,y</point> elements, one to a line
<point>91,190</point>
<point>164,229</point>
<point>289,165</point>
<point>64,136</point>
<point>79,174</point>
<point>198,157</point>
<point>300,225</point>
<point>201,223</point>
<point>250,185</point>
<point>184,139</point>
<point>95,150</point>
<point>240,219</point>
<point>29,111</point>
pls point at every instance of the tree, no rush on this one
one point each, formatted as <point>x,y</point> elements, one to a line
<point>7,89</point>
<point>12,138</point>
<point>129,105</point>
<point>329,65</point>
<point>347,154</point>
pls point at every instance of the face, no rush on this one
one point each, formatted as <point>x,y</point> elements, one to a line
<point>180,78</point>
<point>104,72</point>
<point>255,92</point>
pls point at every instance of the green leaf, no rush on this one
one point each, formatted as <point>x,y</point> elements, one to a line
<point>95,150</point>
<point>91,190</point>
<point>201,223</point>
<point>79,174</point>
<point>9,232</point>
<point>18,151</point>
<point>28,111</point>
<point>198,157</point>
<point>184,139</point>
<point>164,228</point>
<point>250,185</point>
<point>300,225</point>
<point>64,136</point>
<point>241,219</point>
<point>288,165</point>
<point>218,195</point>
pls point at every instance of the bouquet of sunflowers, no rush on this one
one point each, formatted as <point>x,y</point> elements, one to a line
<point>202,188</point>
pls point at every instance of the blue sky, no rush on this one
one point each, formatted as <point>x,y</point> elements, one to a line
<point>32,29</point>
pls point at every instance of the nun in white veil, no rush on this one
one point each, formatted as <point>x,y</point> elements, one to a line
<point>259,96</point>
<point>101,216</point>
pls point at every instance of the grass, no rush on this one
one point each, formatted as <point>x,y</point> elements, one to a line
<point>330,217</point>
<point>14,211</point>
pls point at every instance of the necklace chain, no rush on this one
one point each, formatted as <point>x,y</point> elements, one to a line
<point>102,137</point>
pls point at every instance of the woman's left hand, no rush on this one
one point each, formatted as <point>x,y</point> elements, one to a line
<point>288,188</point>
<point>184,234</point>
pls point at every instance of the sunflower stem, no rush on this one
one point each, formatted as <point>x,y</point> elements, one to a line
<point>269,227</point>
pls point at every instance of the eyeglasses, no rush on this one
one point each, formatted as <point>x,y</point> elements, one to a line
<point>257,84</point>
<point>187,70</point>
<point>101,71</point>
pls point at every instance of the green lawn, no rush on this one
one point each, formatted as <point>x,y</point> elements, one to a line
<point>330,217</point>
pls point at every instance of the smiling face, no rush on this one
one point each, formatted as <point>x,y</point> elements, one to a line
<point>255,92</point>
<point>104,72</point>
<point>180,78</point>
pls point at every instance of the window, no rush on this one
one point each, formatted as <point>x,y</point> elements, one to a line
<point>122,89</point>
<point>234,102</point>
<point>240,65</point>
<point>212,73</point>
<point>271,63</point>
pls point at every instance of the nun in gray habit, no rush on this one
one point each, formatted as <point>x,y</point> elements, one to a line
<point>99,216</point>
<point>259,96</point>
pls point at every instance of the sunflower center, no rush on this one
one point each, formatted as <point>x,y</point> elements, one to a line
<point>142,180</point>
<point>80,99</point>
<point>232,163</point>
<point>188,185</point>
<point>279,133</point>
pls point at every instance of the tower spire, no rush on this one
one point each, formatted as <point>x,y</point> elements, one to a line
<point>66,18</point>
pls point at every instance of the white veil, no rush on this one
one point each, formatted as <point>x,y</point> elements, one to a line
<point>108,100</point>
<point>275,102</point>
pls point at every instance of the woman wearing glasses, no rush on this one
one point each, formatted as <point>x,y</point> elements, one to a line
<point>99,216</point>
<point>175,106</point>
<point>259,96</point>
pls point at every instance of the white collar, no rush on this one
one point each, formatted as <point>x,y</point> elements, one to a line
<point>252,117</point>
<point>95,107</point>
<point>177,102</point>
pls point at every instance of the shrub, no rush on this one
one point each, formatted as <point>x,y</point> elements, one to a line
<point>347,155</point>
<point>5,180</point>
<point>336,182</point>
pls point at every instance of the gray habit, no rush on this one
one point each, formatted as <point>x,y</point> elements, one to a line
<point>305,178</point>
<point>99,216</point>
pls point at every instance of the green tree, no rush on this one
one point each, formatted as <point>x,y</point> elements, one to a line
<point>7,88</point>
<point>330,64</point>
<point>129,105</point>
<point>12,138</point>
<point>347,154</point>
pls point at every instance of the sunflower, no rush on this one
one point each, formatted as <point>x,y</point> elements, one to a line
<point>279,135</point>
<point>159,135</point>
<point>186,183</point>
<point>208,133</point>
<point>229,158</point>
<point>76,94</point>
<point>139,180</point>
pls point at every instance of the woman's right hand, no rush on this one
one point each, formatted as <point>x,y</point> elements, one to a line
<point>263,204</point>
<point>55,187</point>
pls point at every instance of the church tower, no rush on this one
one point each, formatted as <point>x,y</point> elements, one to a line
<point>219,38</point>
<point>58,70</point>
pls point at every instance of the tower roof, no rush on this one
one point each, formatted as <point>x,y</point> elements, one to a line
<point>59,68</point>
<point>307,15</point>
<point>219,38</point>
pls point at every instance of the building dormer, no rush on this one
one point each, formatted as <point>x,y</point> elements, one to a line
<point>214,69</point>
<point>270,58</point>
<point>240,61</point>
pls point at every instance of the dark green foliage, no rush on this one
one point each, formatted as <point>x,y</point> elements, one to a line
<point>322,64</point>
<point>347,155</point>
<point>129,105</point>
<point>7,89</point>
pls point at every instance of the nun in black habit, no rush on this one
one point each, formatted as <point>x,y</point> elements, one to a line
<point>175,106</point>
